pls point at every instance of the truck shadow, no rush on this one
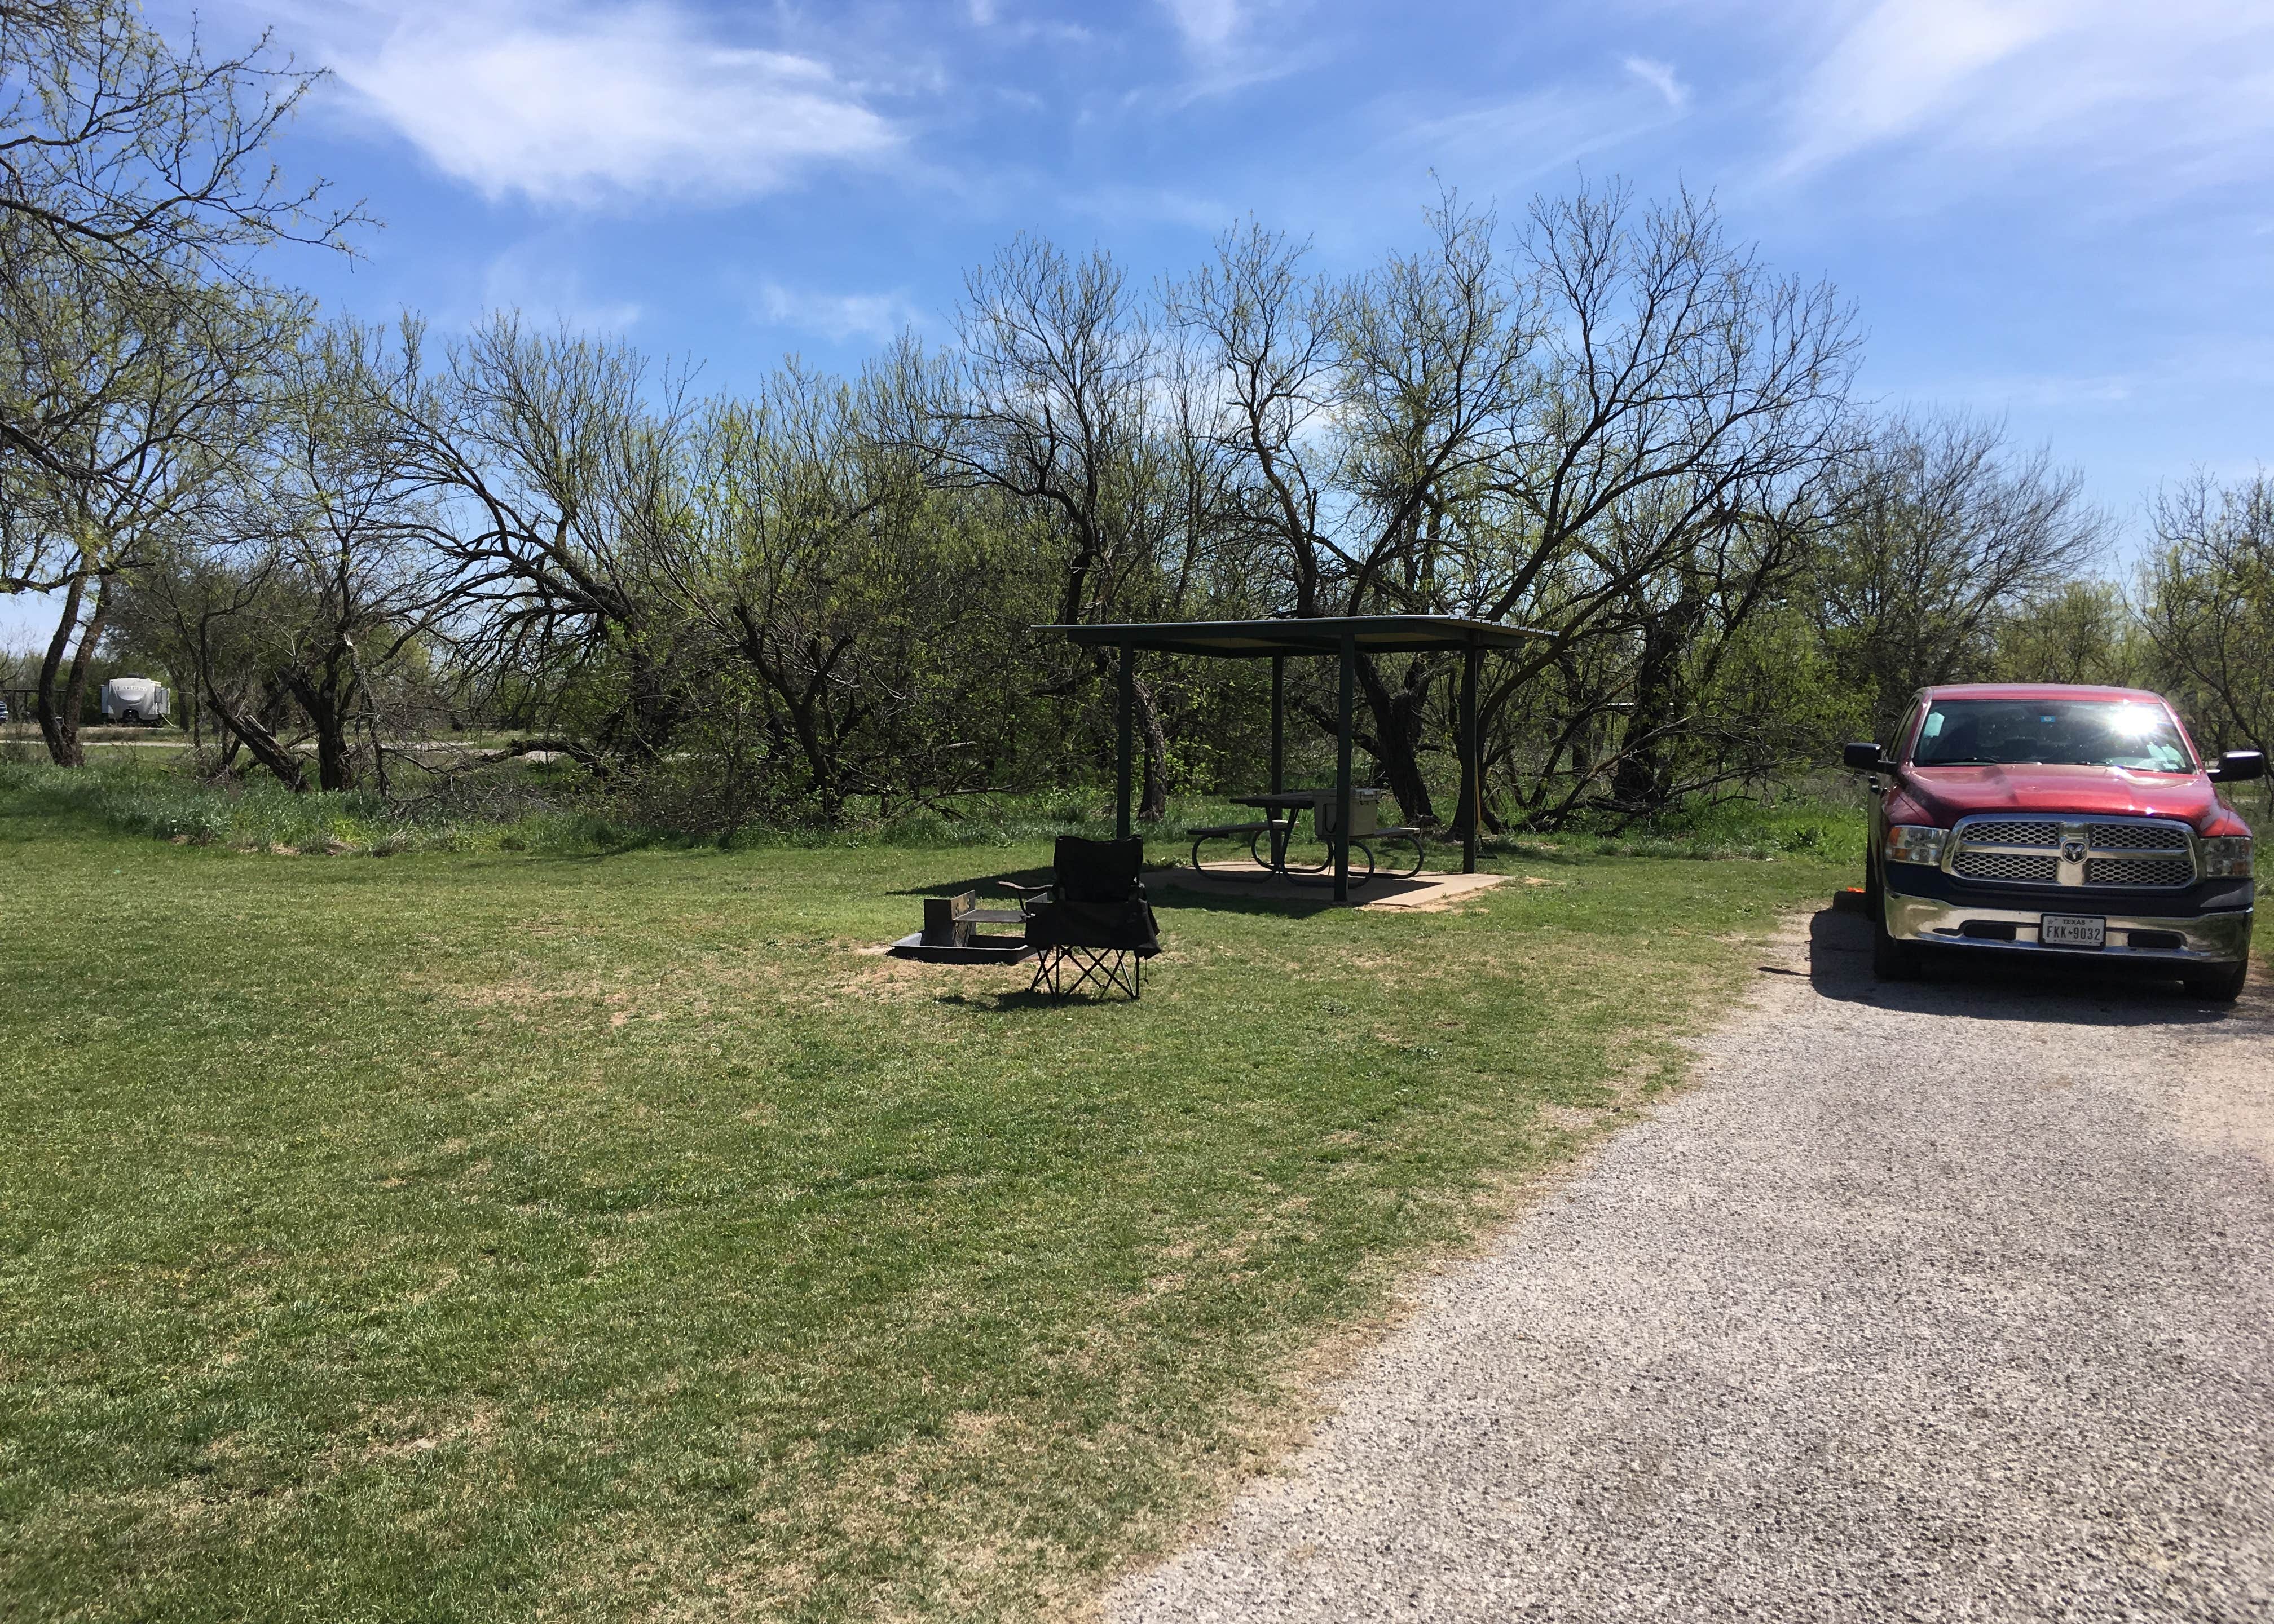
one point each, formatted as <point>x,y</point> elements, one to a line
<point>1993,986</point>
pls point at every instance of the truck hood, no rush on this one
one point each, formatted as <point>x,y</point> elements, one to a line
<point>1953,792</point>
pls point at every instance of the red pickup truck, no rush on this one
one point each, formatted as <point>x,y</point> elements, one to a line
<point>2054,820</point>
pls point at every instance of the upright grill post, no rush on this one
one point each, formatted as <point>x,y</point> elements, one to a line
<point>1342,769</point>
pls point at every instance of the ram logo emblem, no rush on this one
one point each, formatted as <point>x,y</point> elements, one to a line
<point>2073,848</point>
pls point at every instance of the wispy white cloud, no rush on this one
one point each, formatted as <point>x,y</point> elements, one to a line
<point>1207,26</point>
<point>1235,45</point>
<point>1902,62</point>
<point>2182,83</point>
<point>1529,135</point>
<point>878,317</point>
<point>1660,77</point>
<point>533,279</point>
<point>575,105</point>
<point>1166,205</point>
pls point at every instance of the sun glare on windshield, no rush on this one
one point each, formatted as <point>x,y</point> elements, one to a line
<point>2093,732</point>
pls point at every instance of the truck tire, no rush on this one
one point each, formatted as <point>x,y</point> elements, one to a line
<point>1893,960</point>
<point>2218,986</point>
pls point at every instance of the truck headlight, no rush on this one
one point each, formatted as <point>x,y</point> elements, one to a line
<point>2225,857</point>
<point>1914,843</point>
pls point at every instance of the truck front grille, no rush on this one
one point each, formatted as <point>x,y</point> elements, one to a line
<point>2139,854</point>
<point>2139,871</point>
<point>2046,835</point>
<point>2015,868</point>
<point>2136,837</point>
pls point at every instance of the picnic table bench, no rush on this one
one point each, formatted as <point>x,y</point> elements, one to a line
<point>1225,831</point>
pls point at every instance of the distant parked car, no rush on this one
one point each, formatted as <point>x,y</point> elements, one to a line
<point>2063,821</point>
<point>132,700</point>
<point>4,709</point>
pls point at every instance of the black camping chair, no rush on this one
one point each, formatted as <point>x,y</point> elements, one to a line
<point>1092,915</point>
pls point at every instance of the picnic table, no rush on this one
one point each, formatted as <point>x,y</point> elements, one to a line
<point>1267,840</point>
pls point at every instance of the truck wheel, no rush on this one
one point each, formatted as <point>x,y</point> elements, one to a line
<point>2218,986</point>
<point>1893,960</point>
<point>1874,903</point>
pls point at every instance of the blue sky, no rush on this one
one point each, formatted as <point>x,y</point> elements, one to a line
<point>2056,210</point>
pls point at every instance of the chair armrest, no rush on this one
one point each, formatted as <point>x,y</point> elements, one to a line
<point>1024,891</point>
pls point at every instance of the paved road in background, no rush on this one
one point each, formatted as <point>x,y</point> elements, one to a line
<point>1949,1301</point>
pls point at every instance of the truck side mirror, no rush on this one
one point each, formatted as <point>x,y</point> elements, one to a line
<point>2240,767</point>
<point>1862,758</point>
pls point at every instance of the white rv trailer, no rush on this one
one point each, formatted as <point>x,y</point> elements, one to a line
<point>133,699</point>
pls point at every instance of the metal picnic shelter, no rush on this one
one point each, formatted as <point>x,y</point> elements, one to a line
<point>1347,636</point>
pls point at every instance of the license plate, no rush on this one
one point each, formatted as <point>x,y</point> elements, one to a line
<point>2070,930</point>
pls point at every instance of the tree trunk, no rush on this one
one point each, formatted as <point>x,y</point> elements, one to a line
<point>59,712</point>
<point>652,712</point>
<point>1153,805</point>
<point>257,737</point>
<point>1397,735</point>
<point>328,710</point>
<point>1643,781</point>
<point>75,687</point>
<point>60,731</point>
<point>334,767</point>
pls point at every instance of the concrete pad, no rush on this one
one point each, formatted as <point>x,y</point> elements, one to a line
<point>1424,893</point>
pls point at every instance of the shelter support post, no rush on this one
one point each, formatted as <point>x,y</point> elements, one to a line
<point>1128,719</point>
<point>1279,723</point>
<point>1473,766</point>
<point>1342,769</point>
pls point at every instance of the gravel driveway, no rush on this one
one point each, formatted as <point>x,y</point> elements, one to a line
<point>1938,1302</point>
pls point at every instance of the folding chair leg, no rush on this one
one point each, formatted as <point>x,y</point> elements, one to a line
<point>1108,970</point>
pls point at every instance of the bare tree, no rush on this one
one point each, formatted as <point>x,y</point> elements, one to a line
<point>1605,433</point>
<point>1683,395</point>
<point>2206,601</point>
<point>543,465</point>
<point>356,581</point>
<point>165,401</point>
<point>206,606</point>
<point>132,174</point>
<point>1944,528</point>
<point>1051,402</point>
<point>1359,411</point>
<point>793,559</point>
<point>2081,631</point>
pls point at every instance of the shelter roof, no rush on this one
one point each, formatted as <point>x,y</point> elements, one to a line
<point>1372,634</point>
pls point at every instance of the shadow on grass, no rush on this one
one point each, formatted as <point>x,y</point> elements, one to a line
<point>1988,985</point>
<point>982,882</point>
<point>1164,886</point>
<point>1025,1001</point>
<point>1182,891</point>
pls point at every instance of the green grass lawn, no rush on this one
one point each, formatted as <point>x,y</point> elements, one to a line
<point>498,1235</point>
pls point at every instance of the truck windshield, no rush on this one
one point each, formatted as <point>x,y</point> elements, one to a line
<point>2090,732</point>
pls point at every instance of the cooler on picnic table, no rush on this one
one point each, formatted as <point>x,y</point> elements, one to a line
<point>1366,813</point>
